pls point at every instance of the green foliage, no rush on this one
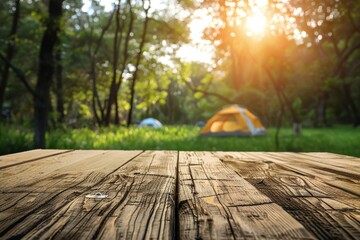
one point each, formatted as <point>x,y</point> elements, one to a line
<point>14,139</point>
<point>340,139</point>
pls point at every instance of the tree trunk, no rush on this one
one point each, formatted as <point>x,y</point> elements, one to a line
<point>278,126</point>
<point>138,59</point>
<point>169,102</point>
<point>45,72</point>
<point>95,96</point>
<point>113,87</point>
<point>284,102</point>
<point>93,75</point>
<point>111,100</point>
<point>59,86</point>
<point>117,114</point>
<point>320,113</point>
<point>297,129</point>
<point>235,63</point>
<point>9,54</point>
<point>116,85</point>
<point>351,103</point>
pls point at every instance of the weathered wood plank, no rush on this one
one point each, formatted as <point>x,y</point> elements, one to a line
<point>46,174</point>
<point>47,185</point>
<point>216,203</point>
<point>44,196</point>
<point>140,204</point>
<point>327,155</point>
<point>341,166</point>
<point>328,212</point>
<point>28,156</point>
<point>344,178</point>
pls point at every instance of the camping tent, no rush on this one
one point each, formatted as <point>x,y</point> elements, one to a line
<point>233,120</point>
<point>150,122</point>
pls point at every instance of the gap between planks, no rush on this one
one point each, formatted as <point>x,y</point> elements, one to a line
<point>8,160</point>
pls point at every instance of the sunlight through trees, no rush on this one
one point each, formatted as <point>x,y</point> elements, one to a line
<point>116,62</point>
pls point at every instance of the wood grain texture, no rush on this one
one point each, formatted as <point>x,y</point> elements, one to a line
<point>142,204</point>
<point>346,178</point>
<point>216,203</point>
<point>179,195</point>
<point>36,192</point>
<point>321,194</point>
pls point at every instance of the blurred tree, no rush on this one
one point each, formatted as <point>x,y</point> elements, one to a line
<point>146,6</point>
<point>27,45</point>
<point>331,29</point>
<point>45,72</point>
<point>90,34</point>
<point>121,46</point>
<point>11,43</point>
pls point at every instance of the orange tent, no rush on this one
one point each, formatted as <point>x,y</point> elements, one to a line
<point>233,120</point>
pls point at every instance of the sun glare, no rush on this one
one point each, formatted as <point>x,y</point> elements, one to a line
<point>255,24</point>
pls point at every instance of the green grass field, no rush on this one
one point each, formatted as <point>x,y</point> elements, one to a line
<point>340,139</point>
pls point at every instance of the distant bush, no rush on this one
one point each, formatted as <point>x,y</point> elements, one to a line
<point>13,139</point>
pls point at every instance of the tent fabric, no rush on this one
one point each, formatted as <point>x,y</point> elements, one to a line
<point>150,122</point>
<point>233,121</point>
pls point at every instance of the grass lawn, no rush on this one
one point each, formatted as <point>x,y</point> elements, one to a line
<point>340,139</point>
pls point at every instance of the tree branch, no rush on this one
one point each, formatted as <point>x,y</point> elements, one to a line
<point>19,74</point>
<point>346,54</point>
<point>352,21</point>
<point>336,48</point>
<point>126,47</point>
<point>207,93</point>
<point>103,31</point>
<point>356,28</point>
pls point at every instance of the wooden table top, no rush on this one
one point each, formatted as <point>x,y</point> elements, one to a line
<point>95,194</point>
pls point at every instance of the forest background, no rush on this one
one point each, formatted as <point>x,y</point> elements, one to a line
<point>92,64</point>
